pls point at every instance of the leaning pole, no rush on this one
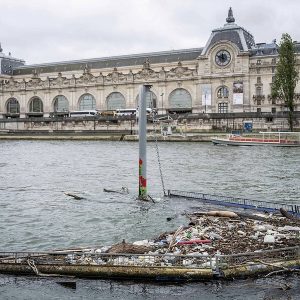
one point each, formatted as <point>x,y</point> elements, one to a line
<point>142,119</point>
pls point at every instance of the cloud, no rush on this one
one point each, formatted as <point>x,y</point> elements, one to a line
<point>47,31</point>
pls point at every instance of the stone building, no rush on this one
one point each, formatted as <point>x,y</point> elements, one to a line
<point>231,73</point>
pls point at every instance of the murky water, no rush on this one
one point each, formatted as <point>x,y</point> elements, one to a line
<point>35,214</point>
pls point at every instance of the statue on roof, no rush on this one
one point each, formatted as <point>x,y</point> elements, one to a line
<point>230,18</point>
<point>35,74</point>
<point>146,64</point>
<point>86,69</point>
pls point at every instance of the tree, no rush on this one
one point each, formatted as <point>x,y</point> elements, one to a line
<point>286,76</point>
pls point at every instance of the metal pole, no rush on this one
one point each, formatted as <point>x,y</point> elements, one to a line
<point>162,103</point>
<point>144,89</point>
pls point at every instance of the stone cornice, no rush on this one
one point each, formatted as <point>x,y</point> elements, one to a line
<point>88,79</point>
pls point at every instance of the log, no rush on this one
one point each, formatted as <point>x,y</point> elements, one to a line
<point>289,216</point>
<point>123,191</point>
<point>74,196</point>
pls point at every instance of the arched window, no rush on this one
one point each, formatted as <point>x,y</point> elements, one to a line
<point>151,100</point>
<point>180,98</point>
<point>61,104</point>
<point>12,106</point>
<point>36,105</point>
<point>87,102</point>
<point>116,101</point>
<point>223,92</point>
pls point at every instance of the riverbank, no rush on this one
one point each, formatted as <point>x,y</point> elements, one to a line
<point>105,136</point>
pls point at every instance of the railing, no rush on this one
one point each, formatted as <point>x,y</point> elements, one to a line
<point>151,260</point>
<point>266,256</point>
<point>107,259</point>
<point>237,202</point>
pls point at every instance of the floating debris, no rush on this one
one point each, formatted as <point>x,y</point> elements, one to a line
<point>217,232</point>
<point>135,248</point>
<point>213,244</point>
<point>68,284</point>
<point>74,196</point>
<point>123,190</point>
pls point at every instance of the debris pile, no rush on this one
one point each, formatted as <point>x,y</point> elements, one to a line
<point>215,243</point>
<point>227,233</point>
<point>208,234</point>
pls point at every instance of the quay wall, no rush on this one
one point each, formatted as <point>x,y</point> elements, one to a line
<point>189,127</point>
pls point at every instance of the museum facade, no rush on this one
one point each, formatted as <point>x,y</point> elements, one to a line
<point>231,73</point>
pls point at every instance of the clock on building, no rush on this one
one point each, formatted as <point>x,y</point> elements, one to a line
<point>223,58</point>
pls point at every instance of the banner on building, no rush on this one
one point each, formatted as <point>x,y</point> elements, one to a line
<point>206,94</point>
<point>238,92</point>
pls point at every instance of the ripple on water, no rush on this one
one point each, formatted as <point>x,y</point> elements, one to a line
<point>33,200</point>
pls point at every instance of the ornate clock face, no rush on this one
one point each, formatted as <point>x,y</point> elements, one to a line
<point>223,58</point>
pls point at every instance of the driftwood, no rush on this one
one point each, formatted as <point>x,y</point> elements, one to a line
<point>68,284</point>
<point>217,213</point>
<point>289,216</point>
<point>123,191</point>
<point>74,196</point>
<point>250,216</point>
<point>173,242</point>
<point>227,214</point>
<point>124,247</point>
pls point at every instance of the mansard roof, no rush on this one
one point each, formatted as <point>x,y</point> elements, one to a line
<point>262,49</point>
<point>112,62</point>
<point>239,36</point>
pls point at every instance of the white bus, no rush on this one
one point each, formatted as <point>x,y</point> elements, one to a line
<point>132,112</point>
<point>126,112</point>
<point>83,113</point>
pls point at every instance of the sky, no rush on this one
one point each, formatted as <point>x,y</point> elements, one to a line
<point>41,31</point>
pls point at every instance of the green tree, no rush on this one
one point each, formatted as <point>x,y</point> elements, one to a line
<point>286,76</point>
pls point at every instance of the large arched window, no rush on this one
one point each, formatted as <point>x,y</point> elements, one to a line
<point>87,102</point>
<point>60,104</point>
<point>116,101</point>
<point>36,105</point>
<point>151,100</point>
<point>12,106</point>
<point>222,92</point>
<point>180,98</point>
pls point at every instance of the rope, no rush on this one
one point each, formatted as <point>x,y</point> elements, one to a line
<point>38,273</point>
<point>158,159</point>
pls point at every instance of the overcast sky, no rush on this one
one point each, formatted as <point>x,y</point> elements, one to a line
<point>56,30</point>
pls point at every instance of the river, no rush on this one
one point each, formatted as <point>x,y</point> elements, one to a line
<point>35,214</point>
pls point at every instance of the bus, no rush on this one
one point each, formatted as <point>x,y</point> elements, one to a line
<point>133,112</point>
<point>83,113</point>
<point>126,112</point>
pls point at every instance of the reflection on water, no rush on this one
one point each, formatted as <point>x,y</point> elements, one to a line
<point>35,214</point>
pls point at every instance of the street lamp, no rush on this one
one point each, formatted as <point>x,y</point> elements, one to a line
<point>162,103</point>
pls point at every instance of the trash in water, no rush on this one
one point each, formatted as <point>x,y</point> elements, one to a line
<point>123,190</point>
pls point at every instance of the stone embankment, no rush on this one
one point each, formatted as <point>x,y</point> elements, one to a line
<point>103,136</point>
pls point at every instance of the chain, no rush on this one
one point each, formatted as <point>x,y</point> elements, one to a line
<point>158,159</point>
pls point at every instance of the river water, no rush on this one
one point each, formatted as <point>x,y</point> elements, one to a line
<point>35,214</point>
